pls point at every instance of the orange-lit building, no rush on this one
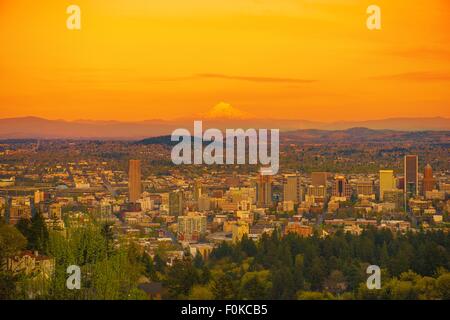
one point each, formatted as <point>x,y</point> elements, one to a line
<point>264,191</point>
<point>134,180</point>
<point>298,228</point>
<point>428,180</point>
<point>341,187</point>
<point>411,176</point>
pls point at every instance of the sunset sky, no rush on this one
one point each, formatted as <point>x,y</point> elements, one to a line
<point>167,59</point>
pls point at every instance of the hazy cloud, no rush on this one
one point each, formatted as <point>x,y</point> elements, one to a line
<point>416,76</point>
<point>253,78</point>
<point>423,53</point>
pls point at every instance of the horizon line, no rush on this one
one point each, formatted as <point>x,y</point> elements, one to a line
<point>222,119</point>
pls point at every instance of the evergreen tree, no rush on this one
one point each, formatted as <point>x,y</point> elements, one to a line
<point>223,287</point>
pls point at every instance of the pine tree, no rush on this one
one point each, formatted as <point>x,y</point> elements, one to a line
<point>223,287</point>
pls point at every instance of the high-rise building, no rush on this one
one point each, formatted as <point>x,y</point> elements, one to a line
<point>364,187</point>
<point>176,203</point>
<point>18,212</point>
<point>341,187</point>
<point>318,186</point>
<point>134,180</point>
<point>264,191</point>
<point>387,182</point>
<point>411,175</point>
<point>191,226</point>
<point>316,191</point>
<point>319,179</point>
<point>292,188</point>
<point>428,180</point>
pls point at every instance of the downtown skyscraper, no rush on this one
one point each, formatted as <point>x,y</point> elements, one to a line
<point>341,187</point>
<point>264,191</point>
<point>411,175</point>
<point>134,180</point>
<point>292,188</point>
<point>428,180</point>
<point>387,182</point>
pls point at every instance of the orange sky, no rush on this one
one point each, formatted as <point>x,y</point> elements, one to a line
<point>303,59</point>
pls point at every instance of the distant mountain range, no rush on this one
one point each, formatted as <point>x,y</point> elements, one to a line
<point>364,135</point>
<point>39,128</point>
<point>352,135</point>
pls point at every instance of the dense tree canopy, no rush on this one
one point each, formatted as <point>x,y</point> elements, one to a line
<point>291,267</point>
<point>413,266</point>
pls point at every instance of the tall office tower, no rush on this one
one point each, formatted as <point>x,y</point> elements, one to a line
<point>411,182</point>
<point>176,203</point>
<point>428,180</point>
<point>387,182</point>
<point>319,179</point>
<point>134,180</point>
<point>292,188</point>
<point>341,187</point>
<point>264,191</point>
